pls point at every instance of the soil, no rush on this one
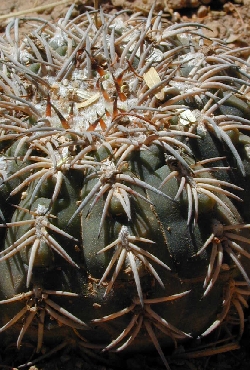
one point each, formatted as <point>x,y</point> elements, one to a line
<point>228,21</point>
<point>231,23</point>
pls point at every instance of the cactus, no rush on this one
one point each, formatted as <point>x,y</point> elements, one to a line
<point>124,177</point>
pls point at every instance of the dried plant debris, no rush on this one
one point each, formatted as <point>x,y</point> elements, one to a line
<point>124,174</point>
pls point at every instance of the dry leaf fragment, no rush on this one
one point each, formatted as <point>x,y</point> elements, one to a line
<point>152,78</point>
<point>89,101</point>
<point>186,117</point>
<point>233,37</point>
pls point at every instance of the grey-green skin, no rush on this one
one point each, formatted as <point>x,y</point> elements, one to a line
<point>162,219</point>
<point>174,245</point>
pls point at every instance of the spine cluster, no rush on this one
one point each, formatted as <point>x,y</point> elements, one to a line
<point>124,183</point>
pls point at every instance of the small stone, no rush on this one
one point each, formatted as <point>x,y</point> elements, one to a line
<point>228,8</point>
<point>176,17</point>
<point>117,3</point>
<point>180,4</point>
<point>202,12</point>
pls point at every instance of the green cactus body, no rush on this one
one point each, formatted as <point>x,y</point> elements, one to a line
<point>124,177</point>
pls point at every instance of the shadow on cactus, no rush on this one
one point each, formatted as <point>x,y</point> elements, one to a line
<point>124,169</point>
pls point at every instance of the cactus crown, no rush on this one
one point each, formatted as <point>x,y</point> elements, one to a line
<point>123,167</point>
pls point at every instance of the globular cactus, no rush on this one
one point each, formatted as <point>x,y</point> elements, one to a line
<point>124,185</point>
